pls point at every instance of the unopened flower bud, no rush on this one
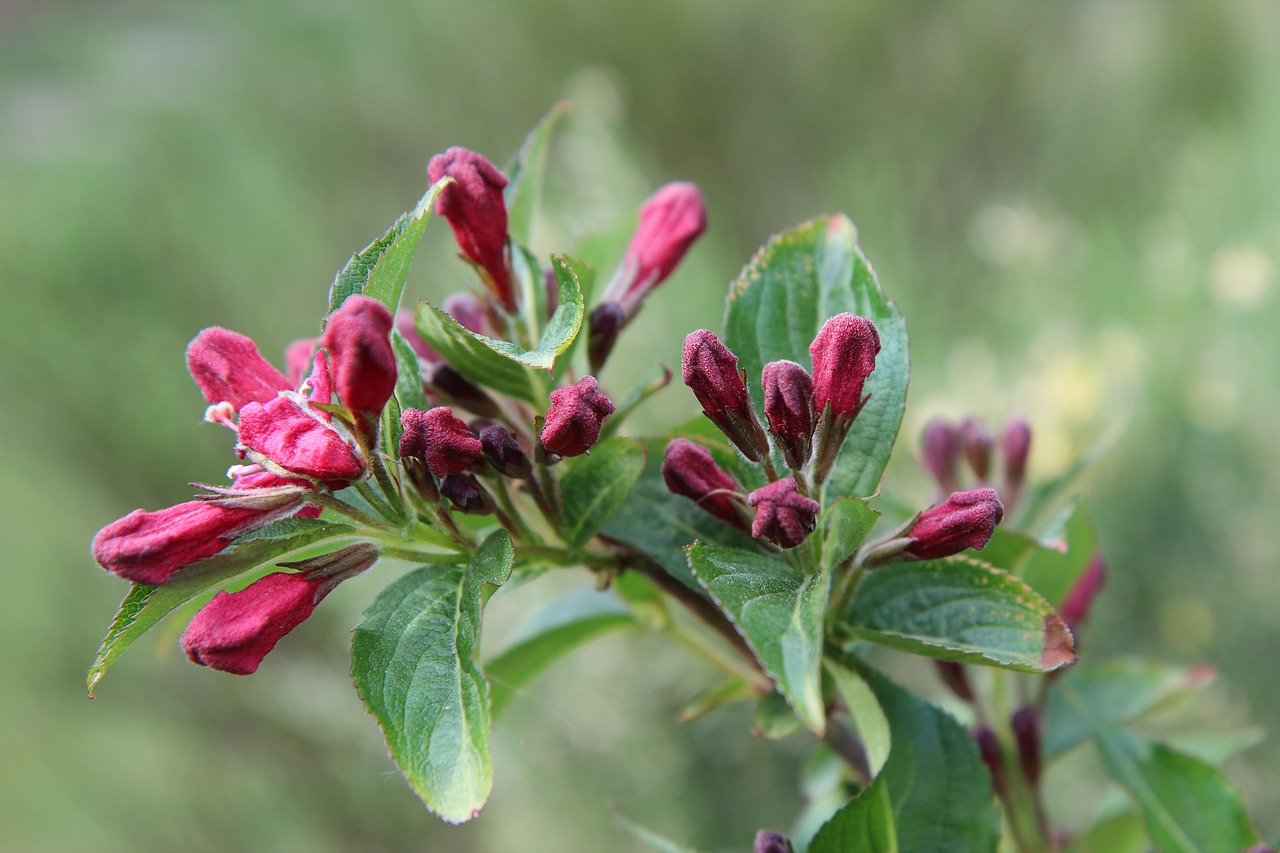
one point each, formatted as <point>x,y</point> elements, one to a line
<point>1077,603</point>
<point>690,471</point>
<point>228,368</point>
<point>440,438</point>
<point>298,358</point>
<point>711,372</point>
<point>281,432</point>
<point>954,676</point>
<point>989,749</point>
<point>964,520</point>
<point>362,363</point>
<point>844,354</point>
<point>1015,446</point>
<point>788,404</point>
<point>504,452</point>
<point>447,385</point>
<point>783,515</point>
<point>474,206</point>
<point>573,422</point>
<point>466,494</point>
<point>1026,734</point>
<point>940,453</point>
<point>978,446</point>
<point>605,322</point>
<point>768,841</point>
<point>670,221</point>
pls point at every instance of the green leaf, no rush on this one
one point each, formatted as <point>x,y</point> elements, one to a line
<point>144,606</point>
<point>1052,572</point>
<point>959,609</point>
<point>413,660</point>
<point>733,690</point>
<point>526,174</point>
<point>1188,805</point>
<point>561,332</point>
<point>409,390</point>
<point>868,717</point>
<point>596,485</point>
<point>1116,693</point>
<point>865,825</point>
<point>774,718</point>
<point>660,524</point>
<point>800,279</point>
<point>520,664</point>
<point>380,269</point>
<point>288,528</point>
<point>847,523</point>
<point>1121,833</point>
<point>780,613</point>
<point>939,787</point>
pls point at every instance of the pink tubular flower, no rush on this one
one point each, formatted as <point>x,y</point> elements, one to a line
<point>783,515</point>
<point>440,438</point>
<point>964,520</point>
<point>474,206</point>
<point>670,221</point>
<point>298,358</point>
<point>297,441</point>
<point>573,421</point>
<point>363,364</point>
<point>235,630</point>
<point>690,471</point>
<point>788,404</point>
<point>228,368</point>
<point>1076,605</point>
<point>711,372</point>
<point>844,354</point>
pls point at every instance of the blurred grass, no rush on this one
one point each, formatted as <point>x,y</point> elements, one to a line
<point>1076,205</point>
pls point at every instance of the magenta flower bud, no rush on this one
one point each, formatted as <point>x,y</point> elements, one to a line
<point>573,421</point>
<point>690,471</point>
<point>298,358</point>
<point>783,515</point>
<point>464,308</point>
<point>954,676</point>
<point>297,441</point>
<point>363,365</point>
<point>1076,605</point>
<point>407,326</point>
<point>768,841</point>
<point>711,372</point>
<point>466,494</point>
<point>1026,734</point>
<point>788,404</point>
<point>477,213</point>
<point>964,520</point>
<point>989,749</point>
<point>1015,447</point>
<point>844,354</point>
<point>940,453</point>
<point>978,446</point>
<point>670,221</point>
<point>236,630</point>
<point>228,368</point>
<point>504,452</point>
<point>604,324</point>
<point>440,438</point>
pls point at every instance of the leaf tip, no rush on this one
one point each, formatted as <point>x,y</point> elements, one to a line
<point>1059,645</point>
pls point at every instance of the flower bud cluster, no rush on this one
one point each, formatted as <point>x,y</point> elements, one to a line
<point>944,444</point>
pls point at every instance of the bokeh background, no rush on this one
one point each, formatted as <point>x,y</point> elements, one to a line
<point>1077,206</point>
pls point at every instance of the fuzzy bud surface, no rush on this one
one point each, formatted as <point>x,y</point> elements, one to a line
<point>710,370</point>
<point>788,404</point>
<point>783,515</point>
<point>690,471</point>
<point>573,421</point>
<point>474,206</point>
<point>228,368</point>
<point>362,363</point>
<point>964,520</point>
<point>844,354</point>
<point>441,438</point>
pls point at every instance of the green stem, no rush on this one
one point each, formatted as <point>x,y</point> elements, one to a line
<point>503,496</point>
<point>412,556</point>
<point>389,489</point>
<point>565,557</point>
<point>366,491</point>
<point>328,501</point>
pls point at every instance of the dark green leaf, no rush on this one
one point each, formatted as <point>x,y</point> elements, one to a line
<point>780,613</point>
<point>864,710</point>
<point>865,825</point>
<point>794,284</point>
<point>526,174</point>
<point>596,485</point>
<point>288,528</point>
<point>146,605</point>
<point>847,523</point>
<point>409,388</point>
<point>380,269</point>
<point>959,609</point>
<point>774,718</point>
<point>1116,693</point>
<point>413,660</point>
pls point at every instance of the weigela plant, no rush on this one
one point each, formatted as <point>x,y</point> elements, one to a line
<point>480,441</point>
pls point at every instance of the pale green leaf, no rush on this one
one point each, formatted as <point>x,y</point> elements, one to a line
<point>409,388</point>
<point>595,485</point>
<point>847,522</point>
<point>864,710</point>
<point>865,825</point>
<point>526,174</point>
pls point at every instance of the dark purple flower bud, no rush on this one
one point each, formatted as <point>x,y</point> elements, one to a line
<point>1015,446</point>
<point>1075,607</point>
<point>711,372</point>
<point>690,471</point>
<point>964,520</point>
<point>989,749</point>
<point>788,404</point>
<point>844,354</point>
<point>469,313</point>
<point>783,515</point>
<point>768,841</point>
<point>477,213</point>
<point>940,453</point>
<point>362,363</point>
<point>670,221</point>
<point>466,494</point>
<point>228,368</point>
<point>954,676</point>
<point>573,422</point>
<point>504,452</point>
<point>440,438</point>
<point>605,322</point>
<point>447,383</point>
<point>978,446</point>
<point>1026,734</point>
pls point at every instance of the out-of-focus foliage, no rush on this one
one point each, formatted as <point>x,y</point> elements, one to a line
<point>1076,205</point>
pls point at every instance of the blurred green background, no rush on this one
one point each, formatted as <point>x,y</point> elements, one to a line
<point>1077,206</point>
